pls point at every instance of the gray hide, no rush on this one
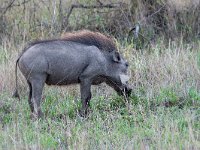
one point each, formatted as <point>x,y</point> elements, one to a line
<point>59,62</point>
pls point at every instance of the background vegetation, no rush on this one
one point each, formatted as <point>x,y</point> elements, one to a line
<point>164,56</point>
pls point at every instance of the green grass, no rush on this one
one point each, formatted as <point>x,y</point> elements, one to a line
<point>4,55</point>
<point>110,125</point>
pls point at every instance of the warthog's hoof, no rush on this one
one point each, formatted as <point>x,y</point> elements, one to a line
<point>128,91</point>
<point>35,116</point>
<point>83,113</point>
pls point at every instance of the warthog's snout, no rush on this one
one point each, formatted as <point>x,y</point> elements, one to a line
<point>124,78</point>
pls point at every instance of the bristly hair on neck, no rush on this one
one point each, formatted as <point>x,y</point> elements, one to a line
<point>87,37</point>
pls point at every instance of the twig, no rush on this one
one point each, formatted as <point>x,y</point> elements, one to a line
<point>94,6</point>
<point>149,16</point>
<point>101,5</point>
<point>98,1</point>
<point>7,7</point>
<point>22,3</point>
<point>11,4</point>
<point>156,11</point>
<point>137,33</point>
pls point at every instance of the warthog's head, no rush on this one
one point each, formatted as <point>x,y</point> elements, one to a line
<point>117,73</point>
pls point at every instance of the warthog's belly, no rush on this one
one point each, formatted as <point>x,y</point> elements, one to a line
<point>61,80</point>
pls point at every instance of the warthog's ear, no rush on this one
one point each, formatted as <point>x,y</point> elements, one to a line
<point>116,56</point>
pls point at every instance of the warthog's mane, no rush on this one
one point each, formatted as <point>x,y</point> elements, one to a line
<point>87,37</point>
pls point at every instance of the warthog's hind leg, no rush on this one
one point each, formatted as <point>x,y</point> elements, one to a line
<point>37,84</point>
<point>30,96</point>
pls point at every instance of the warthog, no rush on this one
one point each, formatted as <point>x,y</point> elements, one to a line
<point>84,57</point>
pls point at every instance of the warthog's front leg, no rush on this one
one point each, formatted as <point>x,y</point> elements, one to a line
<point>85,88</point>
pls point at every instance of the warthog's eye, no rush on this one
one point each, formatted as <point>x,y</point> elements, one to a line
<point>126,64</point>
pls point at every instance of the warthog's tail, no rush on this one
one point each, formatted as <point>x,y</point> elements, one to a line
<point>16,94</point>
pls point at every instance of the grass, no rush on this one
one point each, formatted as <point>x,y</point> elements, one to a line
<point>107,127</point>
<point>162,113</point>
